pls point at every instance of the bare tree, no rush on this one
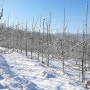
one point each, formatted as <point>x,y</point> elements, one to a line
<point>38,35</point>
<point>26,38</point>
<point>43,41</point>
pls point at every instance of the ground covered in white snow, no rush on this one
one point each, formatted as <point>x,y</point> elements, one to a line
<point>18,72</point>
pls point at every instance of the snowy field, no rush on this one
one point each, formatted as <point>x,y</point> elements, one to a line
<point>18,72</point>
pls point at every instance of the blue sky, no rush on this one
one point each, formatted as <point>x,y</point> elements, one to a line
<point>22,10</point>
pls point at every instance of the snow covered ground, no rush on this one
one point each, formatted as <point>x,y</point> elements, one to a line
<point>18,72</point>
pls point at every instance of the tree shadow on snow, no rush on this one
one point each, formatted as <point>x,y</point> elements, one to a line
<point>33,86</point>
<point>5,67</point>
<point>2,87</point>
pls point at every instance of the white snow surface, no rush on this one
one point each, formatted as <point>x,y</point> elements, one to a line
<point>18,72</point>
